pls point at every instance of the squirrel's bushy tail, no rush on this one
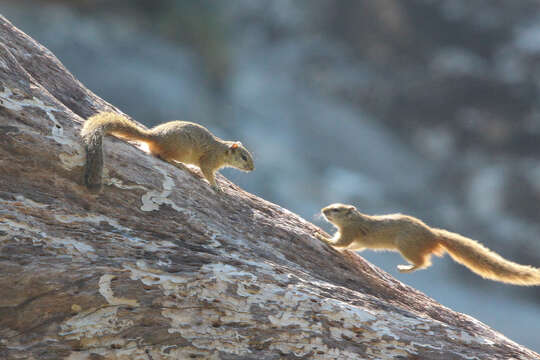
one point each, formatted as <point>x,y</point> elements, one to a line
<point>94,128</point>
<point>485,262</point>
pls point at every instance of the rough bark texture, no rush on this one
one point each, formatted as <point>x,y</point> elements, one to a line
<point>159,266</point>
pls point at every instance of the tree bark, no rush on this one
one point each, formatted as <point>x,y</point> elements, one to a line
<point>159,266</point>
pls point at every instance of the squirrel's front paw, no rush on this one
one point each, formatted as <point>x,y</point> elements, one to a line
<point>323,238</point>
<point>217,188</point>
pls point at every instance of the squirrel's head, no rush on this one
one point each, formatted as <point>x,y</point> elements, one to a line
<point>239,157</point>
<point>336,213</point>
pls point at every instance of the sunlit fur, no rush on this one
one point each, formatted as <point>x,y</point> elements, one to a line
<point>416,242</point>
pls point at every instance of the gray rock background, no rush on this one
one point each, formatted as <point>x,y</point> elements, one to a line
<point>422,107</point>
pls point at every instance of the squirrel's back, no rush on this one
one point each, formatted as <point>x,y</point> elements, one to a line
<point>183,141</point>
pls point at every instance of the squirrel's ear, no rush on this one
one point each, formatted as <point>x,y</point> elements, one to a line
<point>234,146</point>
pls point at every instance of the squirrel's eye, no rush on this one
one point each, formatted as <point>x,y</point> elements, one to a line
<point>244,157</point>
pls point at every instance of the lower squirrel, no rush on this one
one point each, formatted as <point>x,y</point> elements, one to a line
<point>175,141</point>
<point>416,242</point>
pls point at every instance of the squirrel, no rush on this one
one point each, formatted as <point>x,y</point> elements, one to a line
<point>174,141</point>
<point>416,242</point>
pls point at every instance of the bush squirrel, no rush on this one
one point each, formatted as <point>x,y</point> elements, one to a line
<point>416,241</point>
<point>173,141</point>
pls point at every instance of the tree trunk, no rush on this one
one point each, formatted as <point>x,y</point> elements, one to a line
<point>159,266</point>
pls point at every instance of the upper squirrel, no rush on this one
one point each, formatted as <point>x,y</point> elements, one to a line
<point>416,242</point>
<point>180,141</point>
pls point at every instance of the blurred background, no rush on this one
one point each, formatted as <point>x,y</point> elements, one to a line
<point>424,107</point>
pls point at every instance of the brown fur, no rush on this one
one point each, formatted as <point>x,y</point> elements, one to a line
<point>175,141</point>
<point>416,242</point>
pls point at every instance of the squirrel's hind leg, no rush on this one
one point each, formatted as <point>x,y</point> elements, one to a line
<point>417,259</point>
